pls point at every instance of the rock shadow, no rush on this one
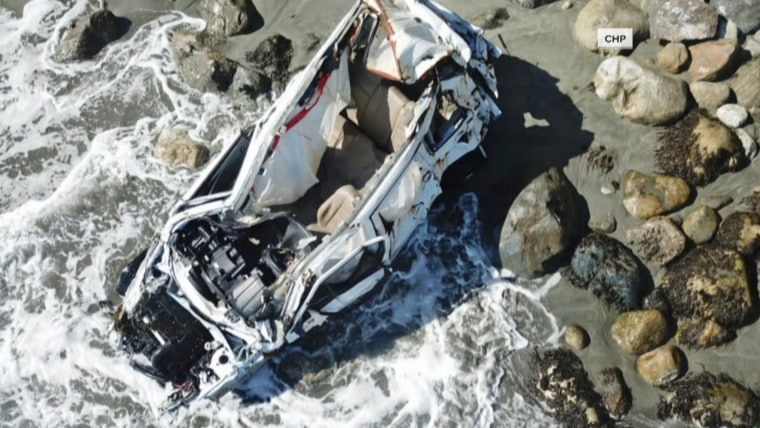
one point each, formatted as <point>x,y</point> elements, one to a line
<point>516,155</point>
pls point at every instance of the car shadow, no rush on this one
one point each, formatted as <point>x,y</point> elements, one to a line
<point>437,271</point>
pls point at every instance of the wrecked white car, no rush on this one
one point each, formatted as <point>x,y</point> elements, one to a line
<point>302,215</point>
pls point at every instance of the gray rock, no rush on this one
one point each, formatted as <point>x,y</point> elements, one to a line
<point>752,45</point>
<point>608,269</point>
<point>658,240</point>
<point>741,232</point>
<point>707,400</point>
<point>615,392</point>
<point>609,14</point>
<point>576,337</point>
<point>711,60</point>
<point>532,4</point>
<point>640,94</point>
<point>657,300</point>
<point>673,57</point>
<point>90,35</point>
<point>698,148</point>
<point>272,58</point>
<point>710,282</point>
<point>175,147</point>
<point>732,115</point>
<point>710,95</point>
<point>700,224</point>
<point>745,13</point>
<point>748,143</point>
<point>678,20</point>
<point>199,66</point>
<point>604,225</point>
<point>746,86</point>
<point>637,332</point>
<point>492,19</point>
<point>540,226</point>
<point>646,196</point>
<point>562,384</point>
<point>226,17</point>
<point>661,365</point>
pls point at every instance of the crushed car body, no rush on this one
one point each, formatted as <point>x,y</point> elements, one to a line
<point>301,216</point>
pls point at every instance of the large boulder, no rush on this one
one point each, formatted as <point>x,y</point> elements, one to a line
<point>710,282</point>
<point>561,382</point>
<point>640,94</point>
<point>226,17</point>
<point>609,14</point>
<point>608,269</point>
<point>90,35</point>
<point>175,147</point>
<point>637,332</point>
<point>711,60</point>
<point>646,196</point>
<point>710,95</point>
<point>740,231</point>
<point>678,20</point>
<point>658,240</point>
<point>733,115</point>
<point>699,148</point>
<point>707,400</point>
<point>541,225</point>
<point>661,365</point>
<point>746,86</point>
<point>745,13</point>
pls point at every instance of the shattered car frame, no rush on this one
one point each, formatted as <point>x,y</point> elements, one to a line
<point>303,213</point>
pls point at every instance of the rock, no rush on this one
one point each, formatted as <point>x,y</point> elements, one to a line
<point>272,58</point>
<point>748,143</point>
<point>541,225</point>
<point>493,19</point>
<point>567,4</point>
<point>600,159</point>
<point>604,225</point>
<point>673,57</point>
<point>661,365</point>
<point>750,203</point>
<point>639,94</point>
<point>532,4</point>
<point>90,35</point>
<point>615,392</point>
<point>752,45</point>
<point>741,232</point>
<point>707,400</point>
<point>609,270</point>
<point>700,225</point>
<point>658,240</point>
<point>200,67</point>
<point>609,14</point>
<point>175,147</point>
<point>716,202</point>
<point>709,283</point>
<point>732,115</point>
<point>561,382</point>
<point>700,334</point>
<point>746,86</point>
<point>745,13</point>
<point>576,337</point>
<point>710,95</point>
<point>226,17</point>
<point>678,20</point>
<point>657,300</point>
<point>646,196</point>
<point>698,148</point>
<point>710,60</point>
<point>727,29</point>
<point>637,332</point>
